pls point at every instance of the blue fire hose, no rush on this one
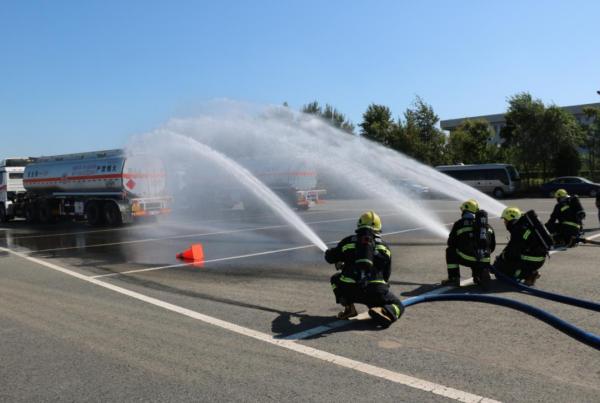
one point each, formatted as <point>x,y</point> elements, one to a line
<point>545,294</point>
<point>578,334</point>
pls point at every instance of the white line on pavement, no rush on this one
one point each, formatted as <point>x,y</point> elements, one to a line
<point>341,323</point>
<point>199,234</point>
<point>207,261</point>
<point>270,252</point>
<point>344,362</point>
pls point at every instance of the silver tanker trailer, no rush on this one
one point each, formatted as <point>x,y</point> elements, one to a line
<point>105,187</point>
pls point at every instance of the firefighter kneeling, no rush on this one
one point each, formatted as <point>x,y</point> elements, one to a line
<point>565,223</point>
<point>365,262</point>
<point>470,243</point>
<point>527,248</point>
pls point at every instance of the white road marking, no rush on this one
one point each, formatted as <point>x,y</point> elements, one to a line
<point>224,232</point>
<point>198,234</point>
<point>50,235</point>
<point>269,252</point>
<point>341,361</point>
<point>341,323</point>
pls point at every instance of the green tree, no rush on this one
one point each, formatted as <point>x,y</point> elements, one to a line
<point>329,114</point>
<point>378,125</point>
<point>470,143</point>
<point>421,125</point>
<point>592,138</point>
<point>564,137</point>
<point>539,137</point>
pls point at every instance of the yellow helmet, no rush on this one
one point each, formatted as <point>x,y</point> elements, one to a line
<point>511,213</point>
<point>560,193</point>
<point>369,219</point>
<point>470,205</point>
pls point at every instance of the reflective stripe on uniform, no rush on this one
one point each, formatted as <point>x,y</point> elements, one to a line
<point>396,310</point>
<point>377,281</point>
<point>471,258</point>
<point>333,286</point>
<point>367,261</point>
<point>571,223</point>
<point>533,258</point>
<point>348,246</point>
<point>452,266</point>
<point>563,208</point>
<point>383,249</point>
<point>345,279</point>
<point>526,234</point>
<point>464,229</point>
<point>466,257</point>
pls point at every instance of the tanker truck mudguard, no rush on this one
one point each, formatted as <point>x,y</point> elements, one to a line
<point>104,187</point>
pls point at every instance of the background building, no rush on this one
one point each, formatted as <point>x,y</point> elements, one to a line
<point>497,121</point>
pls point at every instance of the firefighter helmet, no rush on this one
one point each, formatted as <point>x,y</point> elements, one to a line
<point>511,213</point>
<point>470,205</point>
<point>560,193</point>
<point>369,219</point>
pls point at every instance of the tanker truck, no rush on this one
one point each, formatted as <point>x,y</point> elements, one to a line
<point>108,187</point>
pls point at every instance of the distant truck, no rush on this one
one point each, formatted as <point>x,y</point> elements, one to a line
<point>204,189</point>
<point>107,187</point>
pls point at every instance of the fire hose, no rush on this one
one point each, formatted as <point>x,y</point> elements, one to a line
<point>545,294</point>
<point>567,328</point>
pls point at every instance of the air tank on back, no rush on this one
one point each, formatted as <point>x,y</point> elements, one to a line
<point>102,172</point>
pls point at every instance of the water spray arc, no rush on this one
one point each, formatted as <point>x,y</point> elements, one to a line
<point>184,144</point>
<point>362,165</point>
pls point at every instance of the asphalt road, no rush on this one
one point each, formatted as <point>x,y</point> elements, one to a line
<point>93,314</point>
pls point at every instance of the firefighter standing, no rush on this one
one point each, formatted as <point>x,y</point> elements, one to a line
<point>565,223</point>
<point>365,262</point>
<point>525,253</point>
<point>470,243</point>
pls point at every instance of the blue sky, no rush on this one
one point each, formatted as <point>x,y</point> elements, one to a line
<point>86,75</point>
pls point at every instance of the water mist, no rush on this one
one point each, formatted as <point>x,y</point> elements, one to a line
<point>164,142</point>
<point>361,168</point>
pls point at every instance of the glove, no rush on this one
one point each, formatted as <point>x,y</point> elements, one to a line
<point>339,265</point>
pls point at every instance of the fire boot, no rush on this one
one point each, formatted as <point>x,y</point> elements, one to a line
<point>529,281</point>
<point>348,312</point>
<point>482,278</point>
<point>453,275</point>
<point>452,281</point>
<point>381,316</point>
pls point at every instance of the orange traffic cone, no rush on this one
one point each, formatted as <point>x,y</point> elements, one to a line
<point>194,253</point>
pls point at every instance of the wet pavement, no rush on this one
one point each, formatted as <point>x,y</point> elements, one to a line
<point>263,275</point>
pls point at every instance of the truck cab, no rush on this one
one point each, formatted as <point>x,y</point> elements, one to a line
<point>11,185</point>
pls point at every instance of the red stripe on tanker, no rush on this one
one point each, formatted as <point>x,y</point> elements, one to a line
<point>141,175</point>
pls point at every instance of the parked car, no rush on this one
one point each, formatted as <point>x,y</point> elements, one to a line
<point>410,186</point>
<point>573,185</point>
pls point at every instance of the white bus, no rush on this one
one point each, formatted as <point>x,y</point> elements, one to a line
<point>498,179</point>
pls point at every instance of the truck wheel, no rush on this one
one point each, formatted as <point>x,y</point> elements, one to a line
<point>498,193</point>
<point>112,214</point>
<point>3,216</point>
<point>45,214</point>
<point>31,215</point>
<point>93,213</point>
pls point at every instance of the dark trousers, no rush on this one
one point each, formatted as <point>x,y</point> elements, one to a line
<point>479,270</point>
<point>516,268</point>
<point>563,233</point>
<point>371,295</point>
